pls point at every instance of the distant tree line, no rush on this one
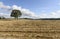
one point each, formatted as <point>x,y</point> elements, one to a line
<point>48,19</point>
<point>2,17</point>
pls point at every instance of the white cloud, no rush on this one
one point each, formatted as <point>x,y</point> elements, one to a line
<point>4,15</point>
<point>16,7</point>
<point>4,6</point>
<point>55,14</point>
<point>6,10</point>
<point>25,12</point>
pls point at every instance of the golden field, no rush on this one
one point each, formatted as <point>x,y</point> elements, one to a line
<point>29,29</point>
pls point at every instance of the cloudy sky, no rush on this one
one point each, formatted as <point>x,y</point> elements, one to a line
<point>31,8</point>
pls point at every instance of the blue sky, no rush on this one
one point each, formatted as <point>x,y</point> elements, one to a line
<point>34,5</point>
<point>39,7</point>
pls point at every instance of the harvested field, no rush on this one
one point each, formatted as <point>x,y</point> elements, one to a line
<point>29,29</point>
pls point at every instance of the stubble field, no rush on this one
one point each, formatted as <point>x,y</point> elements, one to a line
<point>29,29</point>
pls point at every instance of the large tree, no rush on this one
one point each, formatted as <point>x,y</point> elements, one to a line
<point>16,13</point>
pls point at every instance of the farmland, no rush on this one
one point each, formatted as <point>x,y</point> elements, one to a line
<point>29,29</point>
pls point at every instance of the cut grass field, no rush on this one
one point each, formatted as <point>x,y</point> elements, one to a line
<point>30,29</point>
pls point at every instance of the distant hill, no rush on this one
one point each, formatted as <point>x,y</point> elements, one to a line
<point>35,19</point>
<point>48,19</point>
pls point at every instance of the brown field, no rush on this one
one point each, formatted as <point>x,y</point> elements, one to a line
<point>29,29</point>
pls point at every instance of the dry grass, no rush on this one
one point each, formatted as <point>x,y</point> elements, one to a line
<point>30,29</point>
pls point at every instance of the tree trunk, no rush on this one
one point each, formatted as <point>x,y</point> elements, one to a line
<point>16,18</point>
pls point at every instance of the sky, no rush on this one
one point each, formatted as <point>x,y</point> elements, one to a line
<point>31,8</point>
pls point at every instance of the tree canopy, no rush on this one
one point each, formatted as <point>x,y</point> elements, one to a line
<point>16,13</point>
